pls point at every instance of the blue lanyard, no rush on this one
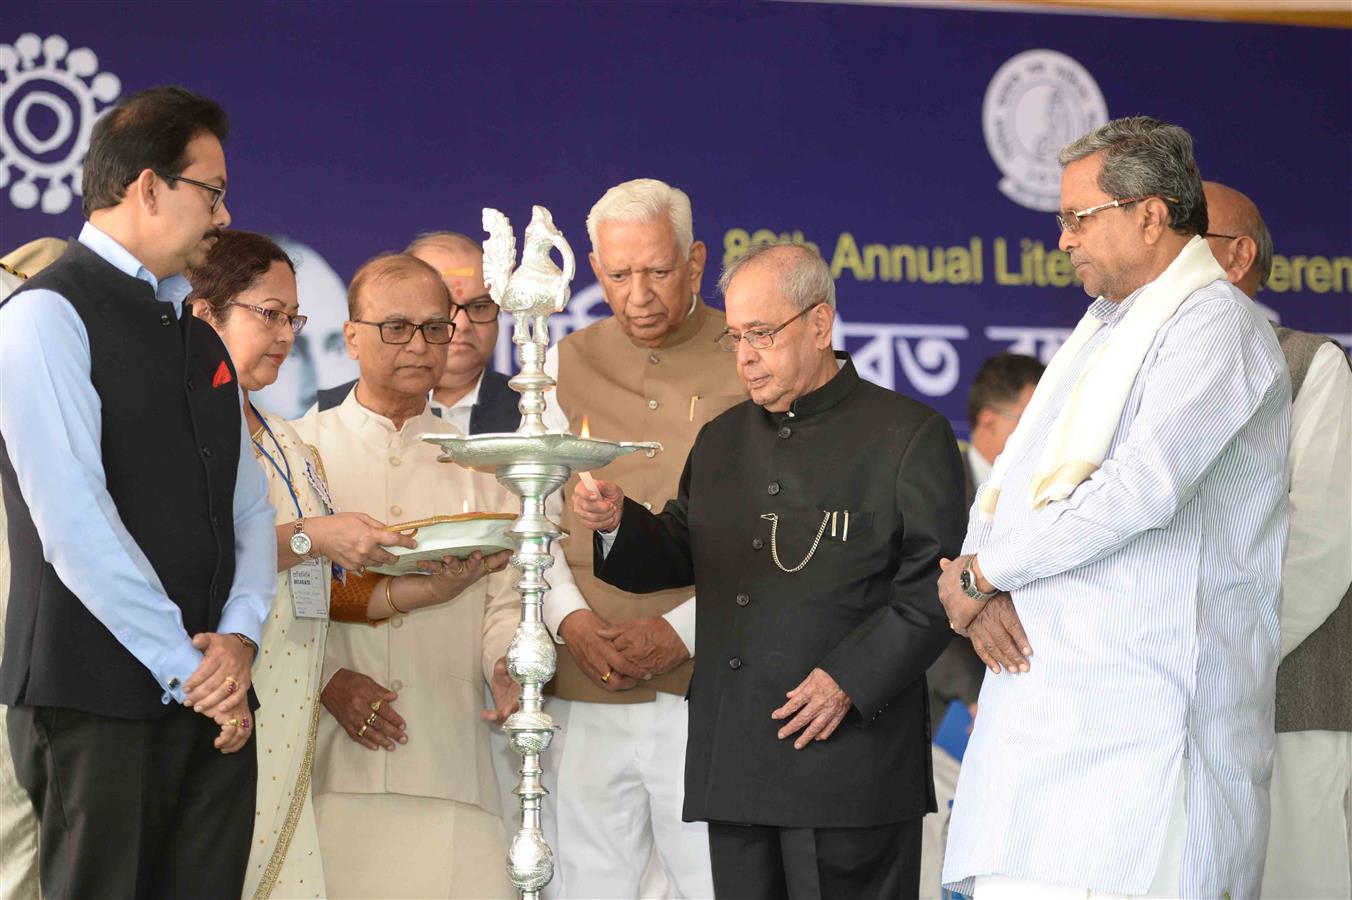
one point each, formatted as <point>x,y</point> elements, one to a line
<point>286,475</point>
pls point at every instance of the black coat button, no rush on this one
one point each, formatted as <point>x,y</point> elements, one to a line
<point>785,431</point>
<point>734,663</point>
<point>743,599</point>
<point>773,488</point>
<point>192,385</point>
<point>757,543</point>
<point>166,319</point>
<point>206,451</point>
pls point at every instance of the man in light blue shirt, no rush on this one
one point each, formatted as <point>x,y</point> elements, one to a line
<point>143,548</point>
<point>1136,522</point>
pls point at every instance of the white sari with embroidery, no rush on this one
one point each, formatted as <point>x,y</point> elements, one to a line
<point>284,855</point>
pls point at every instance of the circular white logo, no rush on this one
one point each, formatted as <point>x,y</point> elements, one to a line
<point>1038,102</point>
<point>47,111</point>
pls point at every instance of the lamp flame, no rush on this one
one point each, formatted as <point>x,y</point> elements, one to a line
<point>465,507</point>
<point>586,428</point>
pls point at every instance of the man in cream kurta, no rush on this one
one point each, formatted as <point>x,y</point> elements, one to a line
<point>421,817</point>
<point>426,812</point>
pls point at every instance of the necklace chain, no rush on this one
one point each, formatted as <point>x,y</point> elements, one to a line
<point>774,542</point>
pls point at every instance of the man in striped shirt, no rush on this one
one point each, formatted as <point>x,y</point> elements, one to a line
<point>1125,747</point>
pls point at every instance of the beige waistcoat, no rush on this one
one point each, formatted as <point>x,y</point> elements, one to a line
<point>435,658</point>
<point>634,393</point>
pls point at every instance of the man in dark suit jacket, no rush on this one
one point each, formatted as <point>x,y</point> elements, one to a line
<point>808,520</point>
<point>471,396</point>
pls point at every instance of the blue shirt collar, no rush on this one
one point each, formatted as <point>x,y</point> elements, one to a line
<point>171,290</point>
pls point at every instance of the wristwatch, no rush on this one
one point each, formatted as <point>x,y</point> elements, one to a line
<point>967,581</point>
<point>300,541</point>
<point>246,642</point>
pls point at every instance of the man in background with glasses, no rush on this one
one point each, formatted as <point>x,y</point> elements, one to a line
<point>1309,843</point>
<point>1136,521</point>
<point>143,549</point>
<point>471,395</point>
<point>811,521</point>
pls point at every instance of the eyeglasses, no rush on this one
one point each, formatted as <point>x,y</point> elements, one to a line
<point>274,317</point>
<point>1070,219</point>
<point>479,310</point>
<point>217,192</point>
<point>398,331</point>
<point>1224,237</point>
<point>757,338</point>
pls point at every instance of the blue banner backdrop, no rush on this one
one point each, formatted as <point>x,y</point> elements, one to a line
<point>914,146</point>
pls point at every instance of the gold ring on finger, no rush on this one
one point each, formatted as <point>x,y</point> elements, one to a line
<point>371,719</point>
<point>233,723</point>
<point>376,704</point>
<point>361,732</point>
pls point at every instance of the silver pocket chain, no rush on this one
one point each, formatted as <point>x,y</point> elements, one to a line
<point>774,544</point>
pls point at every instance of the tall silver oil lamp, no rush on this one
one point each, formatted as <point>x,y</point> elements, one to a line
<point>532,463</point>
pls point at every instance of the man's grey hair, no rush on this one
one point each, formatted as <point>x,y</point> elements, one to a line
<point>447,240</point>
<point>644,200</point>
<point>804,276</point>
<point>1144,157</point>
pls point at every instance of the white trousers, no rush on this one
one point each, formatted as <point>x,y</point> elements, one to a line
<point>934,827</point>
<point>1308,844</point>
<point>616,773</point>
<point>1164,885</point>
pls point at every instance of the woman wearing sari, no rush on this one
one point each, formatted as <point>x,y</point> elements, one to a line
<point>246,290</point>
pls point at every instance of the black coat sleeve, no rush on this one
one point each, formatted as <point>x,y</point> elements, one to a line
<point>897,643</point>
<point>651,552</point>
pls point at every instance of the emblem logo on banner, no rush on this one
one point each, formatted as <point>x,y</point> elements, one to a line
<point>47,111</point>
<point>1038,102</point>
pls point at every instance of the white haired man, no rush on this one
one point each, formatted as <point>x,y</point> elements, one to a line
<point>652,372</point>
<point>1307,852</point>
<point>1136,520</point>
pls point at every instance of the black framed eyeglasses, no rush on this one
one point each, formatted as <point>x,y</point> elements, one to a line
<point>399,331</point>
<point>1224,237</point>
<point>1071,219</point>
<point>274,317</point>
<point>217,192</point>
<point>479,310</point>
<point>757,338</point>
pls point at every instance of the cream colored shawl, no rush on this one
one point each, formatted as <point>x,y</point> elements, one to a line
<point>1085,427</point>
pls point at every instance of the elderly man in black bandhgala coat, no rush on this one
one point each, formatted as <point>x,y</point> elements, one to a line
<point>811,521</point>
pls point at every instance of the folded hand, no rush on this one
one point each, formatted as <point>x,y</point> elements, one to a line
<point>221,682</point>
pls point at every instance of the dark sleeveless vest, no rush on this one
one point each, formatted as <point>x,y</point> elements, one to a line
<point>170,448</point>
<point>1314,692</point>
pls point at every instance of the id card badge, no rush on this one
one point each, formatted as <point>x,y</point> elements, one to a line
<point>307,589</point>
